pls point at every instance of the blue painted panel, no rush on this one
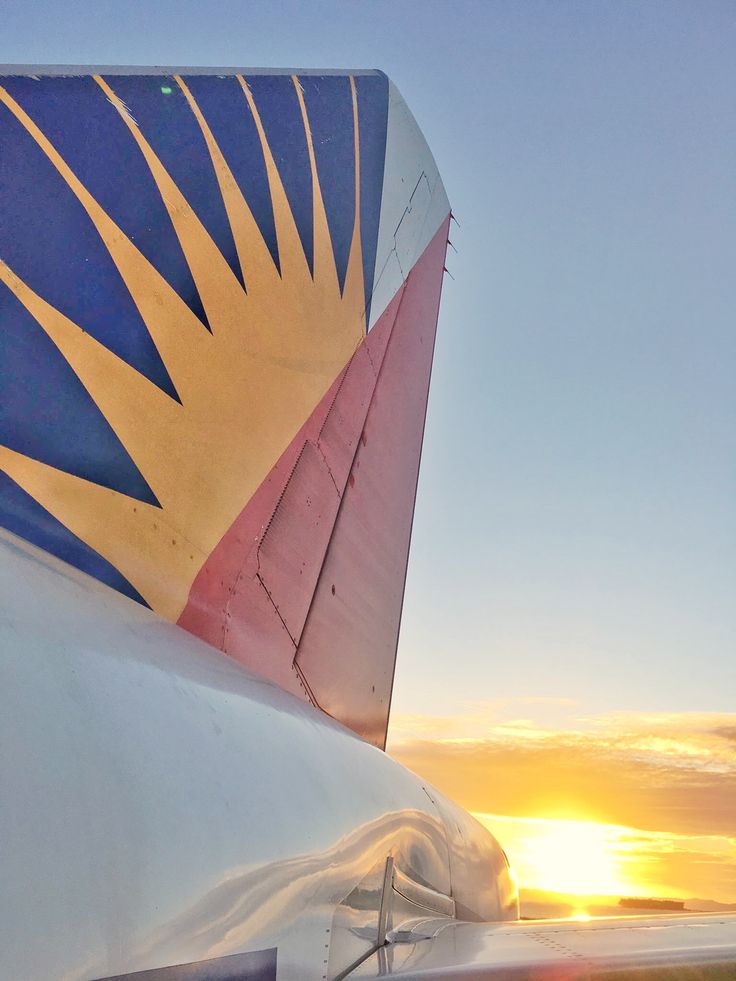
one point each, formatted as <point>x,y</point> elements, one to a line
<point>226,110</point>
<point>329,103</point>
<point>26,518</point>
<point>278,106</point>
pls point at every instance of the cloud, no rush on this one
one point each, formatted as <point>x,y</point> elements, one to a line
<point>673,772</point>
<point>726,732</point>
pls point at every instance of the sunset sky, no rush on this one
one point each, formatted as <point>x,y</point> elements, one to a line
<point>628,804</point>
<point>567,660</point>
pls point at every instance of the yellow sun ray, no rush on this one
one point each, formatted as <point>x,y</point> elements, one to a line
<point>256,261</point>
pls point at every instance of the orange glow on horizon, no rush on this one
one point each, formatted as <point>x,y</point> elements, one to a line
<point>581,858</point>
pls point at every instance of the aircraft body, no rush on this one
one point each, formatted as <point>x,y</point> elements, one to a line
<point>219,292</point>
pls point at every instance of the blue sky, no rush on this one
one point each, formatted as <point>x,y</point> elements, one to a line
<point>575,534</point>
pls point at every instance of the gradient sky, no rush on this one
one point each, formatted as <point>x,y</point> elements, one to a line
<point>574,552</point>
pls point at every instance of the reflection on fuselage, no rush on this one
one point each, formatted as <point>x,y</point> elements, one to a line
<point>196,811</point>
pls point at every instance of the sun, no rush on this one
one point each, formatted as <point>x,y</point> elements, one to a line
<point>574,857</point>
<point>577,858</point>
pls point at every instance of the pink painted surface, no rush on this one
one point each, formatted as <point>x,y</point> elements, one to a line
<point>347,651</point>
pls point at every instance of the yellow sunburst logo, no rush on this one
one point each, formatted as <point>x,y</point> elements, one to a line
<point>245,388</point>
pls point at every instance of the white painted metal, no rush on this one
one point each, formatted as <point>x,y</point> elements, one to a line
<point>413,204</point>
<point>653,948</point>
<point>159,805</point>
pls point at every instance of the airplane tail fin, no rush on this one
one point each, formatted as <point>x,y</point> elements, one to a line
<point>217,349</point>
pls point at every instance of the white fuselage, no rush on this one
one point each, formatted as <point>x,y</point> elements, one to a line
<point>160,805</point>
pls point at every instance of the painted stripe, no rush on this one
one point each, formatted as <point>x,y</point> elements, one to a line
<point>254,965</point>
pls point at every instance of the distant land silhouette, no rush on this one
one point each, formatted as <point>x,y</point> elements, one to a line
<point>638,902</point>
<point>537,904</point>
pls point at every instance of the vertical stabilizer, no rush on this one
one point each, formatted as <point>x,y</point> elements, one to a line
<point>218,294</point>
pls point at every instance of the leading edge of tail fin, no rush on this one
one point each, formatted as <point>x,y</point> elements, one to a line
<point>218,298</point>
